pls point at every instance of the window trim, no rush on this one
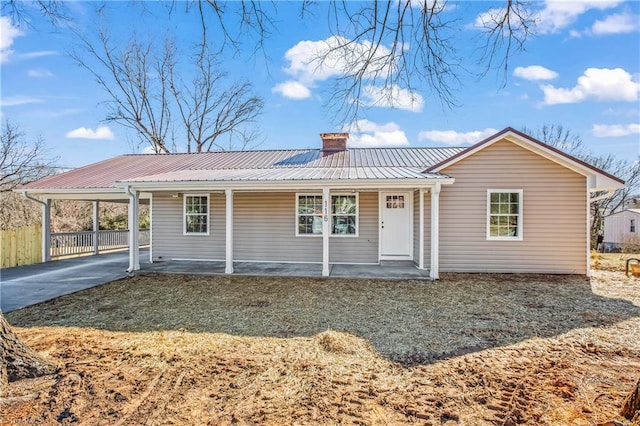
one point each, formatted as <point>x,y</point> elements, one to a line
<point>297,215</point>
<point>331,195</point>
<point>184,214</point>
<point>357,214</point>
<point>520,227</point>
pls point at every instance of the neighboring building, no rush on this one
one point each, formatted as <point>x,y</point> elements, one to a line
<point>622,230</point>
<point>507,204</point>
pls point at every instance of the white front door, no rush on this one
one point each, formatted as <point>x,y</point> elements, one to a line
<point>396,217</point>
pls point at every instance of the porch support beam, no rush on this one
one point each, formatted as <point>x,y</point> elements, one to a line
<point>133,222</point>
<point>228,269</point>
<point>46,230</point>
<point>421,231</point>
<point>326,230</point>
<point>434,270</point>
<point>96,225</point>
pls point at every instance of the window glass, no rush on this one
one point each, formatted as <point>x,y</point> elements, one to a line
<point>309,214</point>
<point>343,212</point>
<point>343,215</point>
<point>505,215</point>
<point>196,214</point>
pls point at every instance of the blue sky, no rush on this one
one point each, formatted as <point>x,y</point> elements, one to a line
<point>581,71</point>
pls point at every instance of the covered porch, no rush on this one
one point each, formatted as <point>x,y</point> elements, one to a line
<point>394,270</point>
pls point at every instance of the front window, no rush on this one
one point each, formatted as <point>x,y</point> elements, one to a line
<point>632,228</point>
<point>343,212</point>
<point>504,214</point>
<point>309,213</point>
<point>196,214</point>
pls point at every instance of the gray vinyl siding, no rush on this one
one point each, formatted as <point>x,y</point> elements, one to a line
<point>554,214</point>
<point>169,242</point>
<point>364,248</point>
<point>264,229</point>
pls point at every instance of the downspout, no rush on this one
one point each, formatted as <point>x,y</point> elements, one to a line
<point>46,225</point>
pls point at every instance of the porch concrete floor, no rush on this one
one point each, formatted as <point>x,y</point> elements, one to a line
<point>401,270</point>
<point>27,285</point>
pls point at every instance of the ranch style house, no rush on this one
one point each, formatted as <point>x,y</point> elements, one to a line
<point>508,204</point>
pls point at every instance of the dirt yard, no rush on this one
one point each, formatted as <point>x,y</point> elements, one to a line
<point>465,350</point>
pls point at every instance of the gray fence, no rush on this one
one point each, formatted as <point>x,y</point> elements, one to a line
<point>74,243</point>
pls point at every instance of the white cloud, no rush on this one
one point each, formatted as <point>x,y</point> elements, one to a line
<point>392,97</point>
<point>451,137</point>
<point>292,90</point>
<point>102,132</point>
<point>310,62</point>
<point>559,14</point>
<point>8,32</point>
<point>619,23</point>
<point>19,100</point>
<point>535,72</point>
<point>37,54</point>
<point>615,130</point>
<point>39,73</point>
<point>601,84</point>
<point>365,133</point>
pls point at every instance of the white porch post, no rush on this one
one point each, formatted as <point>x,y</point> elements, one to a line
<point>96,226</point>
<point>421,232</point>
<point>151,229</point>
<point>434,272</point>
<point>326,230</point>
<point>229,232</point>
<point>46,230</point>
<point>134,245</point>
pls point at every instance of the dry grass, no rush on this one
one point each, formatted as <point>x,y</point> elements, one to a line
<point>468,349</point>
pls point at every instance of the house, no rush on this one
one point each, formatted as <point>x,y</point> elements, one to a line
<point>507,204</point>
<point>621,230</point>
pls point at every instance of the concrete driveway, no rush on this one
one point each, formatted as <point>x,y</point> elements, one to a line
<point>27,285</point>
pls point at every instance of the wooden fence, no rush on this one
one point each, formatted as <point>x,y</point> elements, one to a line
<point>21,246</point>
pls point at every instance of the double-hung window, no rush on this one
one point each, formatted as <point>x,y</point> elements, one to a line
<point>343,213</point>
<point>632,228</point>
<point>309,215</point>
<point>196,214</point>
<point>504,214</point>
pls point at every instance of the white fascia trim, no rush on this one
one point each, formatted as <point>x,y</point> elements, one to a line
<point>602,181</point>
<point>293,185</point>
<point>99,194</point>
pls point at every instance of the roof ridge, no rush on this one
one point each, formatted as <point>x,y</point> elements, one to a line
<point>286,150</point>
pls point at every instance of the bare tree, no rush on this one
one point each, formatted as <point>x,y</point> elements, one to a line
<point>147,94</point>
<point>208,110</point>
<point>381,48</point>
<point>18,361</point>
<point>628,169</point>
<point>384,48</point>
<point>21,161</point>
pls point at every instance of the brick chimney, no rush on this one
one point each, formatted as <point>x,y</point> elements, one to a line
<point>334,142</point>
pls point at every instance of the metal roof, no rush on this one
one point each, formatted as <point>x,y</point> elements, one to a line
<point>287,174</point>
<point>278,165</point>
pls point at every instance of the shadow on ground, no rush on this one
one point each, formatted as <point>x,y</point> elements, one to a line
<point>412,322</point>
